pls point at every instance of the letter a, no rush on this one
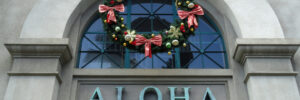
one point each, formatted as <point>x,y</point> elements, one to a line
<point>97,95</point>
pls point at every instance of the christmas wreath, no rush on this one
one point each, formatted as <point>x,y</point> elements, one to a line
<point>166,40</point>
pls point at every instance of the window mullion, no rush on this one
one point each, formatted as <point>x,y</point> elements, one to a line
<point>177,50</point>
<point>128,22</point>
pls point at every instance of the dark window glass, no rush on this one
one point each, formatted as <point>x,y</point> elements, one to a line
<point>205,49</point>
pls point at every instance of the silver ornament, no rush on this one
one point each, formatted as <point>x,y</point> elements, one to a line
<point>117,29</point>
<point>175,42</point>
<point>191,5</point>
<point>128,37</point>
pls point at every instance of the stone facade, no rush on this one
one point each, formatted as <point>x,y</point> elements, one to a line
<point>39,41</point>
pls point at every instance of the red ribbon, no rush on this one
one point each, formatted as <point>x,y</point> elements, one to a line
<point>111,15</point>
<point>191,15</point>
<point>140,40</point>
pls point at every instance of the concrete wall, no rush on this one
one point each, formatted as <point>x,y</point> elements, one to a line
<point>32,88</point>
<point>13,13</point>
<point>67,18</point>
<point>289,18</point>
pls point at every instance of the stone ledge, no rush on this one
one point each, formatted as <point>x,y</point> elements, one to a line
<point>264,48</point>
<point>41,48</point>
<point>269,74</point>
<point>153,73</point>
<point>57,75</point>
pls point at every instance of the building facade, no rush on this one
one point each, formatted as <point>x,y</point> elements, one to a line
<point>58,50</point>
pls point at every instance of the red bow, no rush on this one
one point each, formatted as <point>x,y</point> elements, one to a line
<point>111,15</point>
<point>191,15</point>
<point>140,40</point>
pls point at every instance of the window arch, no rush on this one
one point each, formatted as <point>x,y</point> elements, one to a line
<point>204,50</point>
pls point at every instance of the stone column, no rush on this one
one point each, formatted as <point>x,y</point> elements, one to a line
<point>268,68</point>
<point>35,72</point>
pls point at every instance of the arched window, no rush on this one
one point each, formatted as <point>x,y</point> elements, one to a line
<point>204,50</point>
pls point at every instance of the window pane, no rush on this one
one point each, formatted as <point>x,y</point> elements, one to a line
<point>87,45</point>
<point>158,61</point>
<point>205,26</point>
<point>113,60</point>
<point>141,6</point>
<point>163,60</point>
<point>190,60</point>
<point>89,60</point>
<point>162,22</point>
<point>141,23</point>
<point>162,7</point>
<point>138,60</point>
<point>95,26</point>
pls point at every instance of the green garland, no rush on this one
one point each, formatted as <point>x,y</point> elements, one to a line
<point>176,36</point>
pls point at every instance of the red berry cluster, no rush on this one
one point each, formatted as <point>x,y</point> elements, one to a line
<point>182,29</point>
<point>112,2</point>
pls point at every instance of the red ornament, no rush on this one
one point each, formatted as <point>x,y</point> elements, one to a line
<point>196,6</point>
<point>112,2</point>
<point>116,39</point>
<point>125,33</point>
<point>108,21</point>
<point>133,42</point>
<point>181,27</point>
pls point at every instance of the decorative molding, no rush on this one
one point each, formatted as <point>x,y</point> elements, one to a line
<point>269,74</point>
<point>264,48</point>
<point>152,73</point>
<point>57,75</point>
<point>41,48</point>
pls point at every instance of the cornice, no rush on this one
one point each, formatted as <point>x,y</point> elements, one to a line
<point>245,48</point>
<point>40,48</point>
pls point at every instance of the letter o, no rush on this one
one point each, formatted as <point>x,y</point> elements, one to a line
<point>149,88</point>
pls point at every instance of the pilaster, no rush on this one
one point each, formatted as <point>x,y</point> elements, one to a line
<point>36,68</point>
<point>269,73</point>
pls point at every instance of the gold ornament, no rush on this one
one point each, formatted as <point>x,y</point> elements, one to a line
<point>130,41</point>
<point>122,25</point>
<point>175,42</point>
<point>152,35</point>
<point>113,35</point>
<point>174,32</point>
<point>124,44</point>
<point>179,3</point>
<point>105,21</point>
<point>122,19</point>
<point>119,0</point>
<point>192,29</point>
<point>187,2</point>
<point>184,44</point>
<point>169,53</point>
